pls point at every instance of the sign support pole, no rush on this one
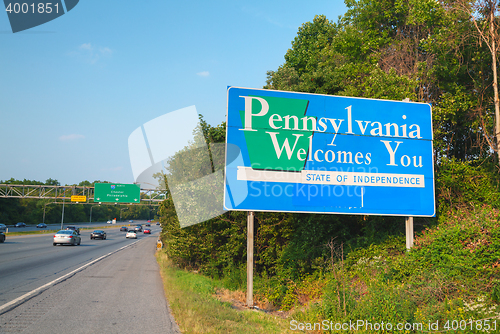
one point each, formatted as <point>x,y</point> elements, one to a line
<point>409,232</point>
<point>409,220</point>
<point>62,215</point>
<point>250,216</point>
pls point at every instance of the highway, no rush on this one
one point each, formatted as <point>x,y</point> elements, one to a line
<point>30,228</point>
<point>112,285</point>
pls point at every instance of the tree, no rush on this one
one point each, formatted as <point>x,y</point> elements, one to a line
<point>85,184</point>
<point>51,182</point>
<point>391,49</point>
<point>484,16</point>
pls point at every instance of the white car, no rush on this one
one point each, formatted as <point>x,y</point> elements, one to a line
<point>109,222</point>
<point>69,237</point>
<point>131,234</point>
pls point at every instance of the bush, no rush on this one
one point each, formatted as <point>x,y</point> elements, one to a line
<point>466,184</point>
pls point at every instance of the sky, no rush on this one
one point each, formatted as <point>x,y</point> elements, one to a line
<point>74,89</point>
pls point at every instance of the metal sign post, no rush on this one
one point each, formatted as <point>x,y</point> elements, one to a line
<point>250,217</point>
<point>409,232</point>
<point>409,220</point>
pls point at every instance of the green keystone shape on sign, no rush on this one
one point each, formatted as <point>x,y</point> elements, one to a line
<point>271,149</point>
<point>117,193</point>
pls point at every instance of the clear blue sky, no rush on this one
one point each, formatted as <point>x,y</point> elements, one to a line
<point>72,90</point>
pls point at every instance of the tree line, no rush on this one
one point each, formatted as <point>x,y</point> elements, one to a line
<point>35,211</point>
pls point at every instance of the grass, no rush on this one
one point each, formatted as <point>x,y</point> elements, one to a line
<point>30,232</point>
<point>197,310</point>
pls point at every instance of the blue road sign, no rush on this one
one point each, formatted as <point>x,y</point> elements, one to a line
<point>298,152</point>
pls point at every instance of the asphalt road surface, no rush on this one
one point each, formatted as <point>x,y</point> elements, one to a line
<point>29,228</point>
<point>101,286</point>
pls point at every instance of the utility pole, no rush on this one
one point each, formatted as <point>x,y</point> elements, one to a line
<point>62,215</point>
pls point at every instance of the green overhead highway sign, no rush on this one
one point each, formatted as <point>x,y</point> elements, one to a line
<point>117,193</point>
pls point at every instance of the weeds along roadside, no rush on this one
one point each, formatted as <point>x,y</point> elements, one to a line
<point>196,309</point>
<point>451,274</point>
<point>366,273</point>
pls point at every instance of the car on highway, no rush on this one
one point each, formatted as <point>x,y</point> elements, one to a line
<point>109,222</point>
<point>73,228</point>
<point>41,225</point>
<point>131,221</point>
<point>3,228</point>
<point>157,223</point>
<point>68,237</point>
<point>148,224</point>
<point>138,228</point>
<point>147,231</point>
<point>20,225</point>
<point>98,234</point>
<point>123,229</point>
<point>131,234</point>
<point>2,237</point>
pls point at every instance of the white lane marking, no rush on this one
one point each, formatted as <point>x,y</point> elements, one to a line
<point>26,295</point>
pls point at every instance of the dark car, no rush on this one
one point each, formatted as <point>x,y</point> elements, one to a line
<point>98,234</point>
<point>20,225</point>
<point>157,223</point>
<point>138,228</point>
<point>73,228</point>
<point>148,224</point>
<point>2,237</point>
<point>123,229</point>
<point>41,225</point>
<point>147,231</point>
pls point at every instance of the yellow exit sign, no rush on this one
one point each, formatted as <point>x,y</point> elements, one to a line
<point>78,198</point>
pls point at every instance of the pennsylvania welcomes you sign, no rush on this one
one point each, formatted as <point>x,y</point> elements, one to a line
<point>299,152</point>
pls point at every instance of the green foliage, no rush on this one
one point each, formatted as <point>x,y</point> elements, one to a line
<point>495,292</point>
<point>463,245</point>
<point>211,246</point>
<point>390,49</point>
<point>465,185</point>
<point>384,85</point>
<point>453,132</point>
<point>451,273</point>
<point>311,38</point>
